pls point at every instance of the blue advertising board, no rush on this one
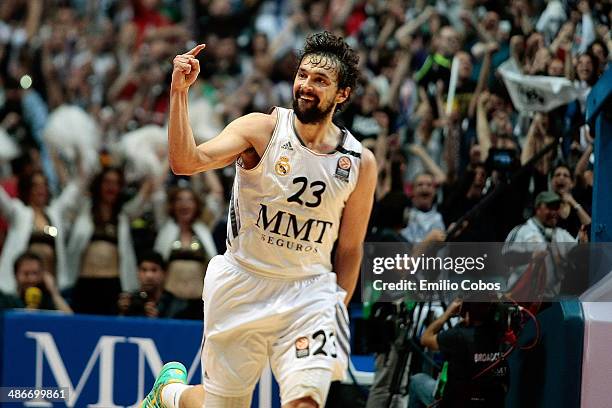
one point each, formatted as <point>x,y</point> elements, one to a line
<point>104,362</point>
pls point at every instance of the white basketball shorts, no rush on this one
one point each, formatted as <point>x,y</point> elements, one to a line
<point>248,319</point>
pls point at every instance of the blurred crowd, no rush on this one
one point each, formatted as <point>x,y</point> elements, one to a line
<point>458,159</point>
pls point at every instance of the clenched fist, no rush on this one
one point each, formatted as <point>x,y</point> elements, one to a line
<point>186,69</point>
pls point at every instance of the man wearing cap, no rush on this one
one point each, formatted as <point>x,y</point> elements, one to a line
<point>542,241</point>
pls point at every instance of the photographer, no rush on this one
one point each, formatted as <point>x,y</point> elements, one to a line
<point>151,300</point>
<point>470,348</point>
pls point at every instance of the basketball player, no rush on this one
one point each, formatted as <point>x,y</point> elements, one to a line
<point>302,186</point>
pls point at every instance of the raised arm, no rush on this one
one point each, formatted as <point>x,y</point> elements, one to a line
<point>406,30</point>
<point>483,77</point>
<point>7,205</point>
<point>483,132</point>
<point>429,338</point>
<point>354,224</point>
<point>583,163</point>
<point>429,163</point>
<point>530,148</point>
<point>187,158</point>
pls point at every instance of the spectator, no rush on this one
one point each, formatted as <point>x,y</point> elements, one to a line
<point>151,300</point>
<point>572,214</point>
<point>531,239</point>
<point>101,251</point>
<point>185,242</point>
<point>427,144</point>
<point>463,197</point>
<point>437,65</point>
<point>423,217</point>
<point>538,137</point>
<point>363,117</point>
<point>36,287</point>
<point>112,58</point>
<point>600,50</point>
<point>37,223</point>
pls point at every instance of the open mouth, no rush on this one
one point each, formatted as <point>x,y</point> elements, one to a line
<point>307,98</point>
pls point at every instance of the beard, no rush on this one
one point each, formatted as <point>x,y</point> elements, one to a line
<point>551,221</point>
<point>311,113</point>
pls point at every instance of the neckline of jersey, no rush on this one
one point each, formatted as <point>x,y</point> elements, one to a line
<point>331,153</point>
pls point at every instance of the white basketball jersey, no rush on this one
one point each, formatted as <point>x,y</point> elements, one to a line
<point>284,214</point>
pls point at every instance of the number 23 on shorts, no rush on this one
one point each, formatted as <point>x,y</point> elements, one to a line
<point>320,342</point>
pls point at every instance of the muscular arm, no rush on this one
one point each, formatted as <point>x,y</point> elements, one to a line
<point>187,158</point>
<point>354,224</point>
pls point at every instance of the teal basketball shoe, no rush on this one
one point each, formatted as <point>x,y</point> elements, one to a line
<point>173,372</point>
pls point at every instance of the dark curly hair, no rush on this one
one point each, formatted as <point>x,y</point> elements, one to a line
<point>333,50</point>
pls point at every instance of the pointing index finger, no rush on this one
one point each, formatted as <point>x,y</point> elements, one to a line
<point>196,50</point>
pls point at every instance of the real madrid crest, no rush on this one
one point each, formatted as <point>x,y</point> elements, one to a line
<point>343,168</point>
<point>282,166</point>
<point>302,347</point>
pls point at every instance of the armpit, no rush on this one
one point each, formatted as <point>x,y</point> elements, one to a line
<point>249,159</point>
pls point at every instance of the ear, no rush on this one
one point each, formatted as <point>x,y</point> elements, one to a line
<point>343,94</point>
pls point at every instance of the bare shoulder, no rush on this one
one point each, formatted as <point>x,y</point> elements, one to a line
<point>255,124</point>
<point>368,162</point>
<point>255,128</point>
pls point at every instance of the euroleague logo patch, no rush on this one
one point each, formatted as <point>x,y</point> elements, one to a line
<point>343,168</point>
<point>302,347</point>
<point>282,166</point>
<point>344,163</point>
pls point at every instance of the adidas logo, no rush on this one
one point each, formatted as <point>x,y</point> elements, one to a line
<point>287,146</point>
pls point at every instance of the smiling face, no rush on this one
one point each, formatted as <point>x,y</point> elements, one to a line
<point>315,88</point>
<point>548,214</point>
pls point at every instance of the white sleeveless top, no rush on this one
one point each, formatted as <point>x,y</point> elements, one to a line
<point>284,214</point>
